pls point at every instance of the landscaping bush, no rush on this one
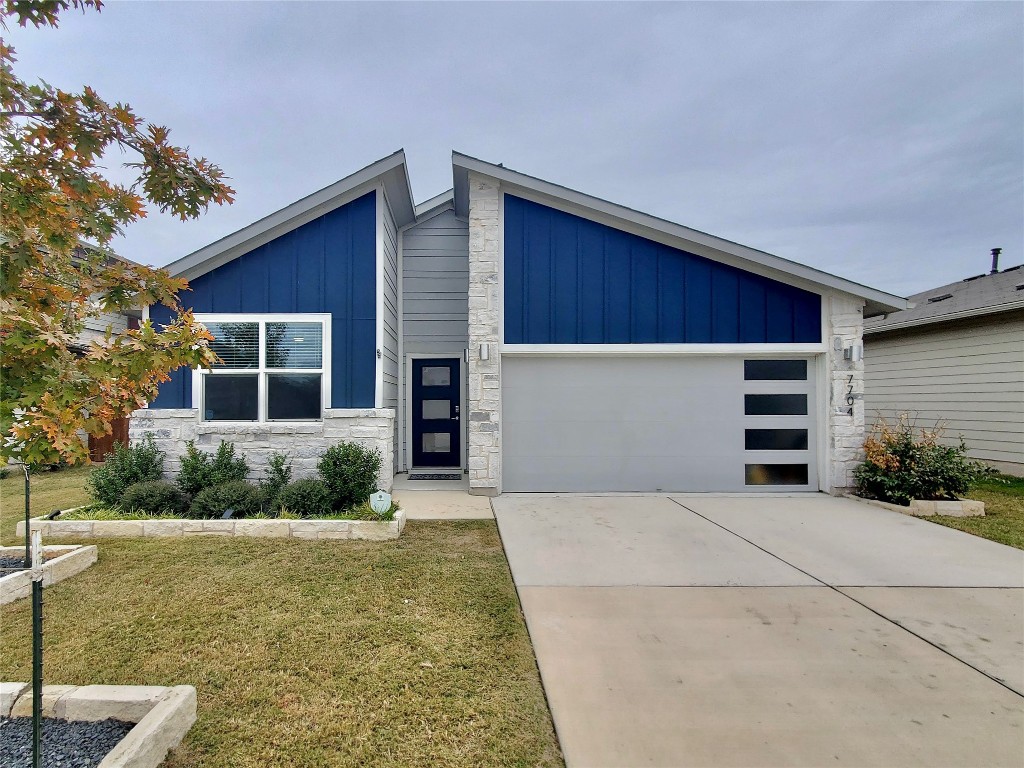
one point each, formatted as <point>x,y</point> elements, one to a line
<point>154,497</point>
<point>238,495</point>
<point>278,475</point>
<point>124,466</point>
<point>307,498</point>
<point>199,470</point>
<point>900,467</point>
<point>350,473</point>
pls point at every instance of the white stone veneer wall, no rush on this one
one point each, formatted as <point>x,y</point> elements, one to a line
<point>845,431</point>
<point>484,305</point>
<point>302,441</point>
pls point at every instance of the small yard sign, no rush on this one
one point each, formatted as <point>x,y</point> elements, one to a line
<point>380,502</point>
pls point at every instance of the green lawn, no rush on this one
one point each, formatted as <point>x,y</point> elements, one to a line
<point>400,653</point>
<point>50,491</point>
<point>1004,511</point>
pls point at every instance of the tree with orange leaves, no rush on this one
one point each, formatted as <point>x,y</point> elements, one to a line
<point>58,215</point>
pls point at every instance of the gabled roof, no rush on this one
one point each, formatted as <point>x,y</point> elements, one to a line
<point>975,296</point>
<point>391,171</point>
<point>428,207</point>
<point>667,232</point>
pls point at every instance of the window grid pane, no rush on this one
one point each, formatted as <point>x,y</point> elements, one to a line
<point>231,397</point>
<point>437,442</point>
<point>776,474</point>
<point>775,440</point>
<point>293,396</point>
<point>236,344</point>
<point>775,370</point>
<point>437,409</point>
<point>436,376</point>
<point>775,405</point>
<point>294,345</point>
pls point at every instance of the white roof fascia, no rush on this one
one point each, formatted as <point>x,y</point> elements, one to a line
<point>391,171</point>
<point>877,301</point>
<point>965,314</point>
<point>437,201</point>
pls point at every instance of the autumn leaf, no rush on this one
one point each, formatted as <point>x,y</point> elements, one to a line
<point>58,216</point>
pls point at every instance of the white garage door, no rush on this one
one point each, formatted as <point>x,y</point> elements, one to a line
<point>658,424</point>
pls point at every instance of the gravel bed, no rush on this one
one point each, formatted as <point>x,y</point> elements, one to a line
<point>66,743</point>
<point>10,564</point>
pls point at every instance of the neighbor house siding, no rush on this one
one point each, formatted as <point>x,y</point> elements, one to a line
<point>968,375</point>
<point>435,285</point>
<point>96,327</point>
<point>390,350</point>
<point>569,280</point>
<point>326,265</point>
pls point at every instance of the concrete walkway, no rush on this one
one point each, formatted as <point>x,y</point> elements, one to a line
<point>443,505</point>
<point>768,631</point>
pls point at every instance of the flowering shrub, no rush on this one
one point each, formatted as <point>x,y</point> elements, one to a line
<point>899,466</point>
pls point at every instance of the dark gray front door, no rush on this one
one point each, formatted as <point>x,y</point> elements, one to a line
<point>436,425</point>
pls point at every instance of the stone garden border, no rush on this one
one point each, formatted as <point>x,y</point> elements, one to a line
<point>371,530</point>
<point>922,508</point>
<point>162,715</point>
<point>66,561</point>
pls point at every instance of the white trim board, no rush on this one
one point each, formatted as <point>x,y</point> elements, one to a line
<point>378,375</point>
<point>625,350</point>
<point>652,227</point>
<point>390,171</point>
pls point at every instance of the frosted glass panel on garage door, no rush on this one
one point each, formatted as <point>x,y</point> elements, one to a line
<point>639,424</point>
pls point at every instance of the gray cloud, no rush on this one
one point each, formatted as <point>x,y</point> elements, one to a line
<point>879,141</point>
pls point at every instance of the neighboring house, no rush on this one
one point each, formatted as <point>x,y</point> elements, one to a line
<point>96,328</point>
<point>531,336</point>
<point>956,357</point>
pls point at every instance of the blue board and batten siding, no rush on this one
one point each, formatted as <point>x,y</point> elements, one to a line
<point>327,265</point>
<point>569,280</point>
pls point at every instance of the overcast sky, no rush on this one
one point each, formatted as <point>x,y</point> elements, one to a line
<point>881,142</point>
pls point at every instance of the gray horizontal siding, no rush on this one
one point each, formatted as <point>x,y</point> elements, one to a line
<point>967,375</point>
<point>390,350</point>
<point>435,285</point>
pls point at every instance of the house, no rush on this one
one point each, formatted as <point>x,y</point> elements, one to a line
<point>528,335</point>
<point>956,357</point>
<point>96,327</point>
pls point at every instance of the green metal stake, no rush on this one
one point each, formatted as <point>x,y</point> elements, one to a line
<point>37,673</point>
<point>37,649</point>
<point>28,550</point>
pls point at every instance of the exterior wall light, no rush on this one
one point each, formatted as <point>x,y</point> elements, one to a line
<point>854,353</point>
<point>484,351</point>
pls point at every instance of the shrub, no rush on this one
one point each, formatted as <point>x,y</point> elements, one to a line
<point>350,473</point>
<point>278,475</point>
<point>900,467</point>
<point>126,465</point>
<point>154,497</point>
<point>307,498</point>
<point>238,495</point>
<point>198,470</point>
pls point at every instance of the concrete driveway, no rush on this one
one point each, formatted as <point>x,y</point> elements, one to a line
<point>768,631</point>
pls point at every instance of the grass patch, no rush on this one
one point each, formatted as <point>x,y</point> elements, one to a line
<point>305,653</point>
<point>49,491</point>
<point>1004,511</point>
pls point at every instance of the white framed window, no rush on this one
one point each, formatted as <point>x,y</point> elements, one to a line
<point>274,367</point>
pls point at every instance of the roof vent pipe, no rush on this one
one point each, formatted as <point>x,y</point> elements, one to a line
<point>995,260</point>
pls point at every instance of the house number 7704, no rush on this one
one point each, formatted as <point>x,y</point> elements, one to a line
<point>850,399</point>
